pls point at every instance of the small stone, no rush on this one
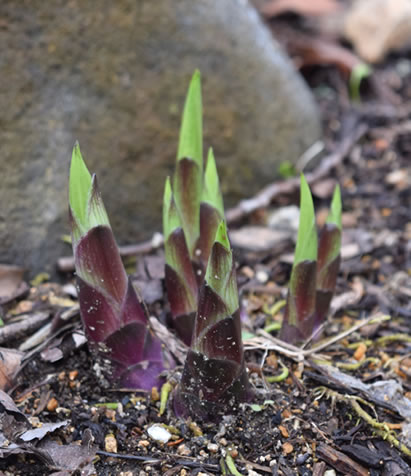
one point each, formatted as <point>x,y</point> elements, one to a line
<point>183,450</point>
<point>234,453</point>
<point>183,472</point>
<point>110,443</point>
<point>359,354</point>
<point>283,431</point>
<point>73,374</point>
<point>262,276</point>
<point>159,433</point>
<point>110,414</point>
<point>155,396</point>
<point>248,272</point>
<point>143,443</point>
<point>288,448</point>
<point>212,447</point>
<point>330,472</point>
<point>52,405</point>
<point>302,458</point>
<point>223,442</point>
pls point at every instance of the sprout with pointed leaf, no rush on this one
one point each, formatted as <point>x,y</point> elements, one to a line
<point>315,269</point>
<point>114,319</point>
<point>329,258</point>
<point>192,211</point>
<point>214,377</point>
<point>299,314</point>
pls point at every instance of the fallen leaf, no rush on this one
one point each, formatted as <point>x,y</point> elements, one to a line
<point>258,238</point>
<point>40,433</point>
<point>7,404</point>
<point>376,27</point>
<point>312,50</point>
<point>10,361</point>
<point>12,285</point>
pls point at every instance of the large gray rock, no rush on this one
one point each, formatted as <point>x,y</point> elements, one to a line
<point>114,75</point>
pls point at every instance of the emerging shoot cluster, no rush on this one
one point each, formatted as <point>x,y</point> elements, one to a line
<point>200,279</point>
<point>199,274</point>
<point>315,269</point>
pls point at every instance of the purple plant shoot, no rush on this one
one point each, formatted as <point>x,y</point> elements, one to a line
<point>115,322</point>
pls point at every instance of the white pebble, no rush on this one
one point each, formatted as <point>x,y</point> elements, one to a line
<point>159,433</point>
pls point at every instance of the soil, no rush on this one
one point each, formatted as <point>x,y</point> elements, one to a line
<point>296,426</point>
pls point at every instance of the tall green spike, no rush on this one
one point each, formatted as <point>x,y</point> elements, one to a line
<point>336,209</point>
<point>171,220</point>
<point>79,186</point>
<point>306,247</point>
<point>191,133</point>
<point>211,189</point>
<point>222,236</point>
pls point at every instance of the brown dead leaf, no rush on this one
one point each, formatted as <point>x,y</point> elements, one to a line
<point>273,8</point>
<point>312,50</point>
<point>376,27</point>
<point>11,283</point>
<point>10,360</point>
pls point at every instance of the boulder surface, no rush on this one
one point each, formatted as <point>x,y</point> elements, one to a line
<point>113,75</point>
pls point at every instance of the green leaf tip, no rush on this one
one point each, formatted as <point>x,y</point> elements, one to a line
<point>211,190</point>
<point>306,248</point>
<point>171,220</point>
<point>87,208</point>
<point>222,236</point>
<point>79,185</point>
<point>334,216</point>
<point>191,133</point>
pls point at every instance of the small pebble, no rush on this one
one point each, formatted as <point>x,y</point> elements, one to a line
<point>283,431</point>
<point>288,448</point>
<point>110,443</point>
<point>73,374</point>
<point>223,442</point>
<point>212,447</point>
<point>155,396</point>
<point>159,433</point>
<point>330,472</point>
<point>52,405</point>
<point>234,453</point>
<point>262,277</point>
<point>110,414</point>
<point>183,450</point>
<point>301,459</point>
<point>143,443</point>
